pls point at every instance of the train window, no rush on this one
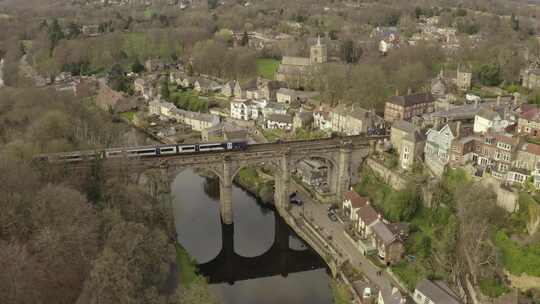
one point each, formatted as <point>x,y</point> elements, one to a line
<point>189,148</point>
<point>167,150</point>
<point>145,151</point>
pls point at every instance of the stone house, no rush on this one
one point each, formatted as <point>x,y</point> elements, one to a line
<point>496,153</point>
<point>529,121</point>
<point>464,77</point>
<point>462,150</point>
<point>273,108</point>
<point>407,106</point>
<point>205,86</point>
<point>352,202</point>
<point>313,172</point>
<point>268,88</point>
<point>434,292</point>
<point>287,96</point>
<point>353,120</point>
<point>227,89</point>
<point>244,110</point>
<point>241,88</point>
<point>219,132</point>
<point>303,120</point>
<point>408,141</point>
<point>367,216</point>
<point>279,121</point>
<point>390,247</point>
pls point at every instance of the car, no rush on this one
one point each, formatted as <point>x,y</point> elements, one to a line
<point>293,195</point>
<point>296,201</point>
<point>332,216</point>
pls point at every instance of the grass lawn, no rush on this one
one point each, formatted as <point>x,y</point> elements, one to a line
<point>273,135</point>
<point>188,268</point>
<point>303,134</point>
<point>267,67</point>
<point>128,115</point>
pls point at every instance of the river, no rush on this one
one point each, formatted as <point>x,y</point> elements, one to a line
<point>254,239</point>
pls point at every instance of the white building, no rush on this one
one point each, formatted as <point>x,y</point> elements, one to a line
<point>279,121</point>
<point>487,119</point>
<point>244,110</point>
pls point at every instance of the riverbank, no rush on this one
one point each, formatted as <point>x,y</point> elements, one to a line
<point>252,181</point>
<point>187,266</point>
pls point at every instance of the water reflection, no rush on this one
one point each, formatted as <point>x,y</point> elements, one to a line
<point>259,254</point>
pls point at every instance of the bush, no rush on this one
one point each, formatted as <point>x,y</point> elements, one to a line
<point>519,259</point>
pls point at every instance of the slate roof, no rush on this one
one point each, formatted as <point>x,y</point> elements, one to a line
<point>438,292</point>
<point>488,114</point>
<point>411,100</point>
<point>383,232</point>
<point>404,126</point>
<point>284,118</point>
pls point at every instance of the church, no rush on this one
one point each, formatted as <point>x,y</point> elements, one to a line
<point>294,70</point>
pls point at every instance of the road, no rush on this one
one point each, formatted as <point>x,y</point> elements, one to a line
<point>319,213</point>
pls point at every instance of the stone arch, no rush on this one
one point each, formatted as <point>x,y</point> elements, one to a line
<point>330,158</point>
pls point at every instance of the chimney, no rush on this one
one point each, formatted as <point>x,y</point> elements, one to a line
<point>476,103</point>
<point>458,129</point>
<point>409,91</point>
<point>498,100</point>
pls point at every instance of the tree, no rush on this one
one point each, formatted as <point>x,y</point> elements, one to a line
<point>96,181</point>
<point>212,4</point>
<point>137,66</point>
<point>411,77</point>
<point>368,83</point>
<point>55,34</point>
<point>117,79</point>
<point>349,52</point>
<point>197,293</point>
<point>489,74</point>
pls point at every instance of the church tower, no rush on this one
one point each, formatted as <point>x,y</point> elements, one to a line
<point>318,53</point>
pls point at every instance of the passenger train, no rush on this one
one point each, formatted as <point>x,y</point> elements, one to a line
<point>148,151</point>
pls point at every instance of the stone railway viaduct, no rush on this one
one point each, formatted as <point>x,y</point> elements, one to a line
<point>343,154</point>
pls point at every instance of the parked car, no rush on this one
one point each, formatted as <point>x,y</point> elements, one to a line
<point>332,216</point>
<point>296,201</point>
<point>333,207</point>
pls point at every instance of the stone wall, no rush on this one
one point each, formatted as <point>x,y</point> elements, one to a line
<point>390,177</point>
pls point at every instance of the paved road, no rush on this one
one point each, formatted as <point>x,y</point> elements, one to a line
<point>319,213</point>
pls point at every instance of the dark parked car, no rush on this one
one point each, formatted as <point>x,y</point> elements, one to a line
<point>332,216</point>
<point>333,207</point>
<point>296,201</point>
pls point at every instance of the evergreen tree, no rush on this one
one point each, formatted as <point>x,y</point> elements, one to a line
<point>245,39</point>
<point>55,34</point>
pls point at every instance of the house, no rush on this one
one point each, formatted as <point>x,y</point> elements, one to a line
<point>462,150</point>
<point>303,120</point>
<point>489,120</point>
<point>270,108</point>
<point>412,149</point>
<point>279,121</point>
<point>352,202</point>
<point>407,106</point>
<point>390,247</point>
<point>438,145</point>
<point>227,89</point>
<point>244,110</point>
<point>223,131</point>
<point>400,129</point>
<point>322,119</point>
<point>241,88</point>
<point>205,86</point>
<point>314,173</point>
<point>268,88</point>
<point>366,216</point>
<point>287,96</point>
<point>353,120</point>
<point>496,152</point>
<point>434,292</point>
<point>529,121</point>
<point>197,121</point>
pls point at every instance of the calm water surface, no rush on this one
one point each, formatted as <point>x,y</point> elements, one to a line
<point>196,207</point>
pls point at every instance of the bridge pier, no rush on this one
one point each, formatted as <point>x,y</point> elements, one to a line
<point>225,194</point>
<point>282,182</point>
<point>344,170</point>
